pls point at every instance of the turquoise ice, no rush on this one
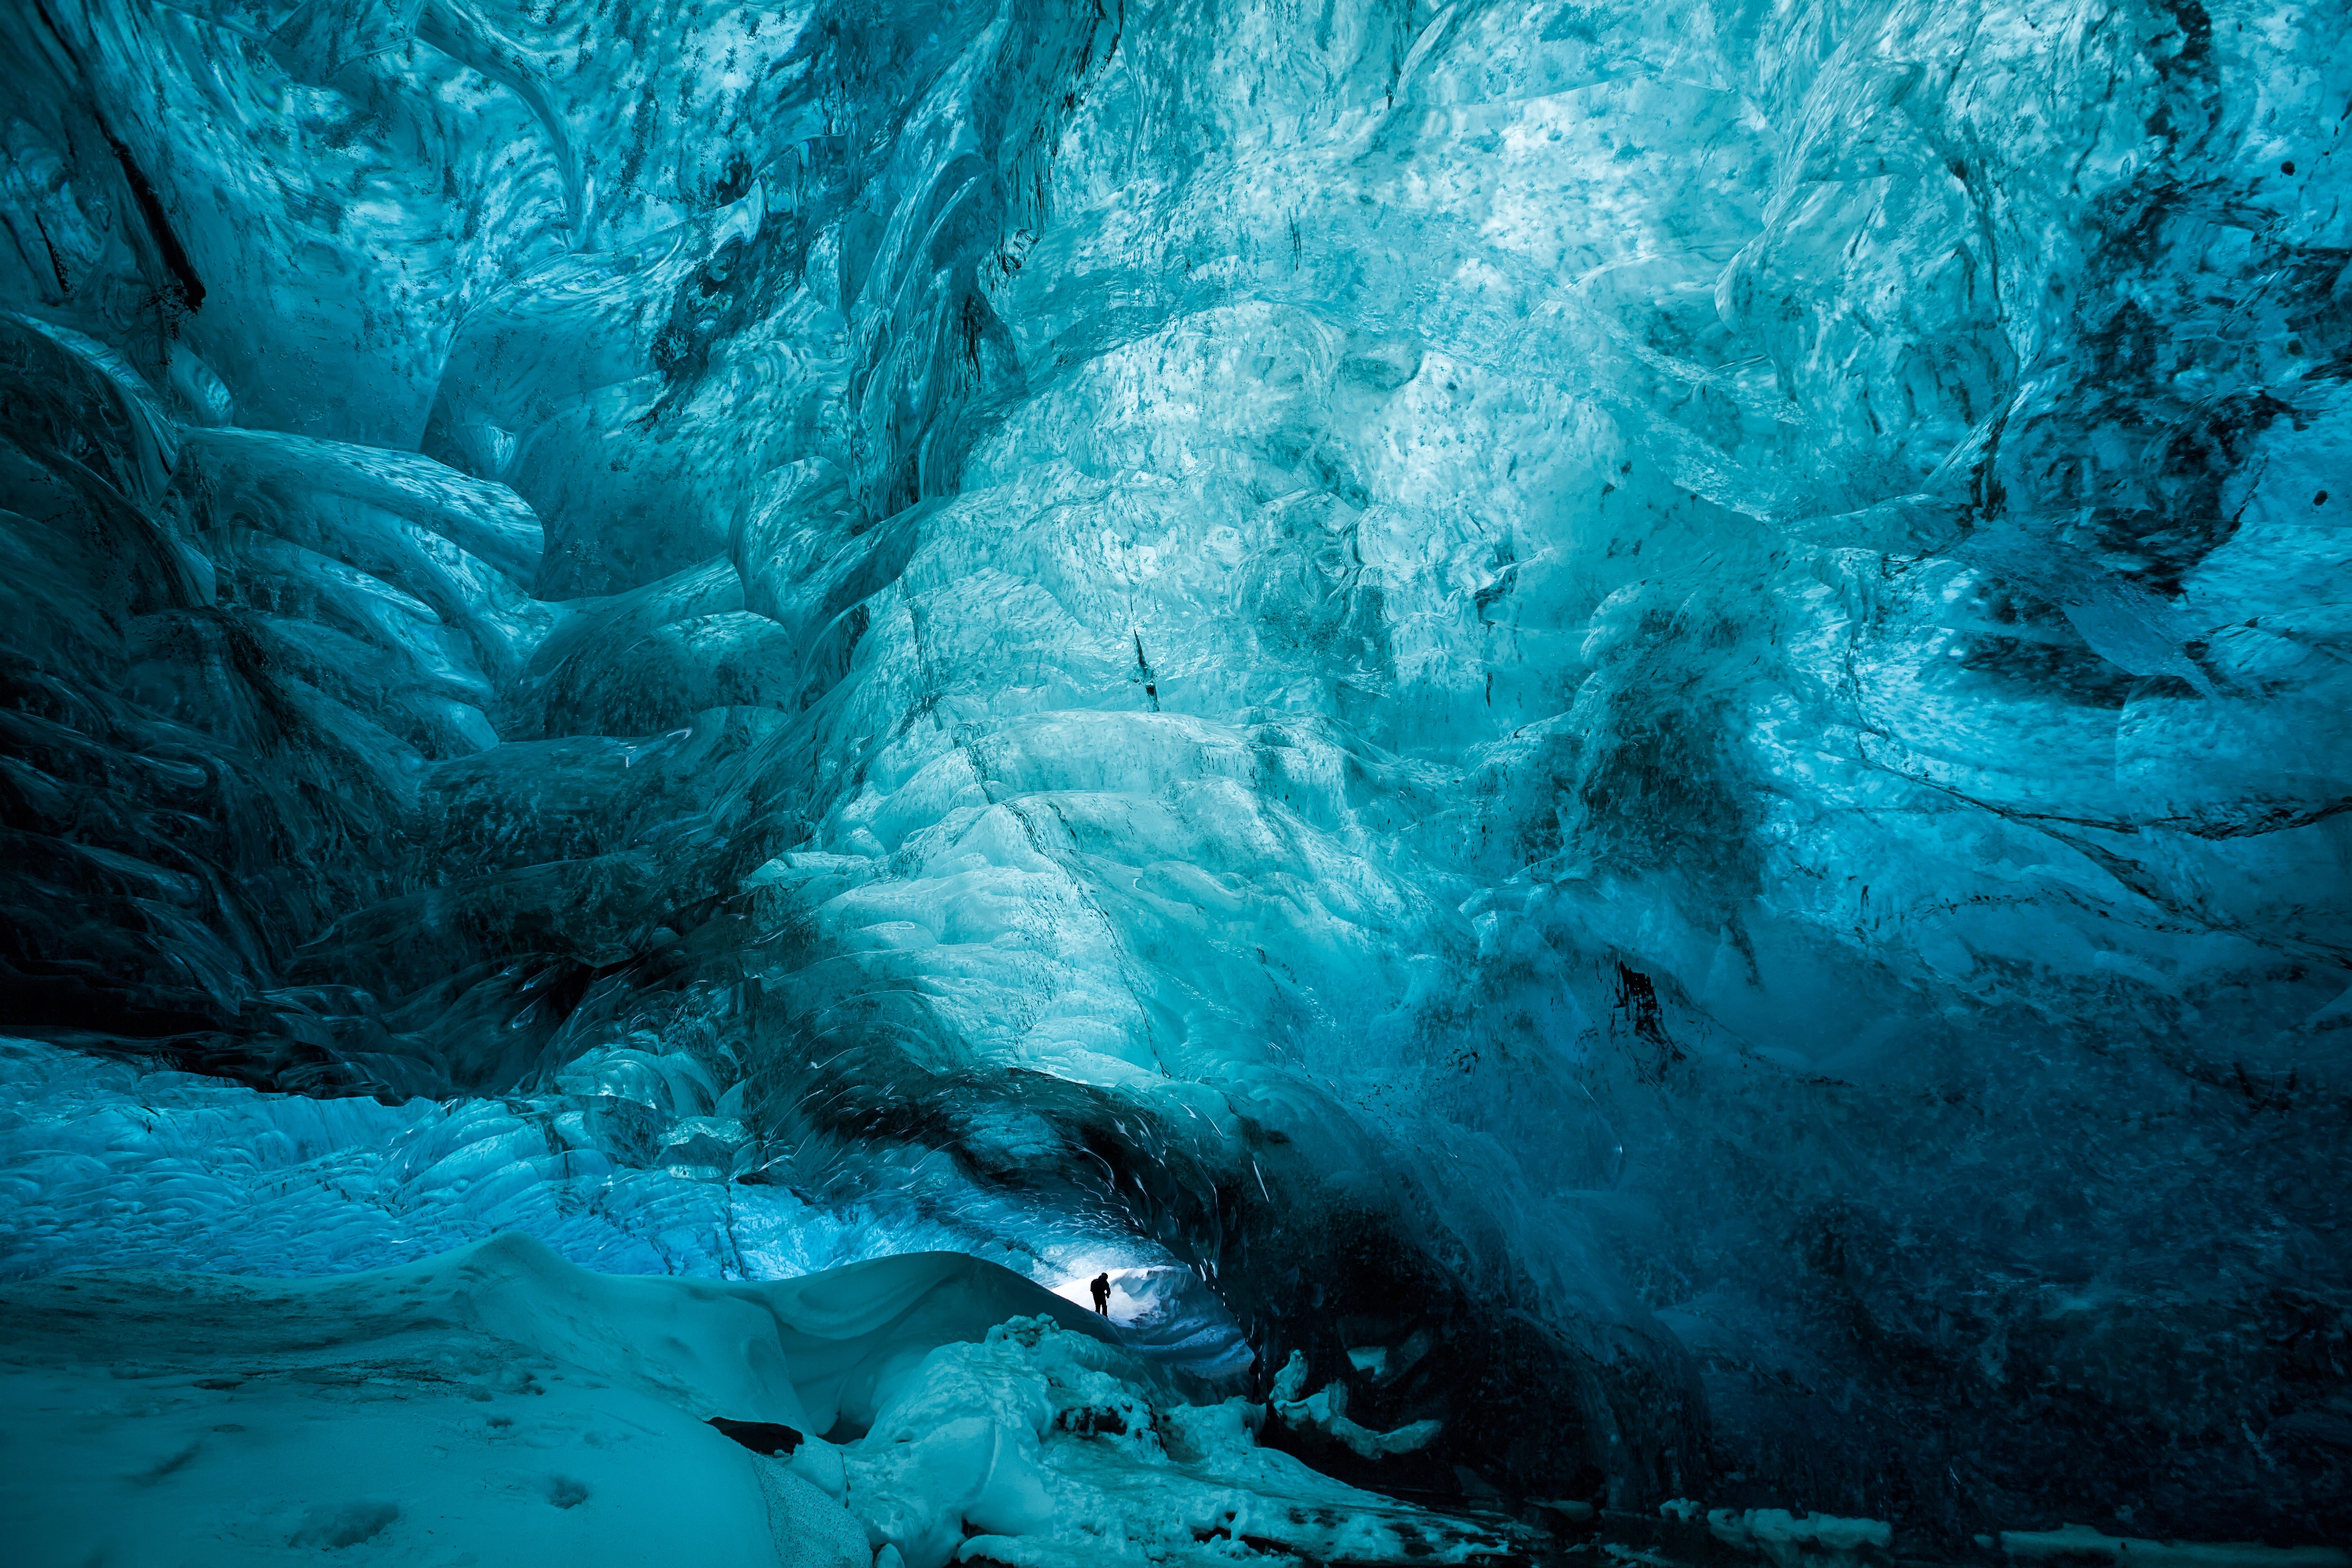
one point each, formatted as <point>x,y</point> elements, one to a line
<point>1633,722</point>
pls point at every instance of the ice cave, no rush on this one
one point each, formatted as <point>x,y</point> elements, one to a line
<point>1195,783</point>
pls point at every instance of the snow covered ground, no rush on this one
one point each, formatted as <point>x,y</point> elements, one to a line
<point>497,1405</point>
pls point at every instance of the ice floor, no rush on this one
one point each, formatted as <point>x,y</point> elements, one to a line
<point>496,1405</point>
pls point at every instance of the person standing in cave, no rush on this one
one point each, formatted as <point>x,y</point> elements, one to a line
<point>1100,1286</point>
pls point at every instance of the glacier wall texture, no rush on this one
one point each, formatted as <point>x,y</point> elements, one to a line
<point>1636,715</point>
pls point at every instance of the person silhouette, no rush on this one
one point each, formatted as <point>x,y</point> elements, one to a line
<point>1100,1286</point>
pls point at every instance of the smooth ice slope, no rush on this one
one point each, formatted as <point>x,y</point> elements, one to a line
<point>1635,715</point>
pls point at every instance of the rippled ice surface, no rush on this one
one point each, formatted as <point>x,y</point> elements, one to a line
<point>107,1166</point>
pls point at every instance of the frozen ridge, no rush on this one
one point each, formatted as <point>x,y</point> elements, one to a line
<point>108,1167</point>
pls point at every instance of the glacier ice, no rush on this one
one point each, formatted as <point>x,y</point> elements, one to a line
<point>1625,726</point>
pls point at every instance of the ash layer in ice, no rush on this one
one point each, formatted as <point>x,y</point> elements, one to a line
<point>1633,721</point>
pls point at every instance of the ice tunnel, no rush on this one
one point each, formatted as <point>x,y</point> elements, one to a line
<point>1608,743</point>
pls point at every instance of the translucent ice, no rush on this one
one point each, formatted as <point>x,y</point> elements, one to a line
<point>1629,721</point>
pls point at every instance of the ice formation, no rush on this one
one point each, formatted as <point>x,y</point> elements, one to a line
<point>1626,727</point>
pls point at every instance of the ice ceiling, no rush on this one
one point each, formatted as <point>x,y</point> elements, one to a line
<point>1634,720</point>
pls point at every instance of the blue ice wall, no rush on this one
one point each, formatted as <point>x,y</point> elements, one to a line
<point>1645,706</point>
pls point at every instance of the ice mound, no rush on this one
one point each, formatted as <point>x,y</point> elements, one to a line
<point>1042,1441</point>
<point>1789,1541</point>
<point>1325,1411</point>
<point>496,1403</point>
